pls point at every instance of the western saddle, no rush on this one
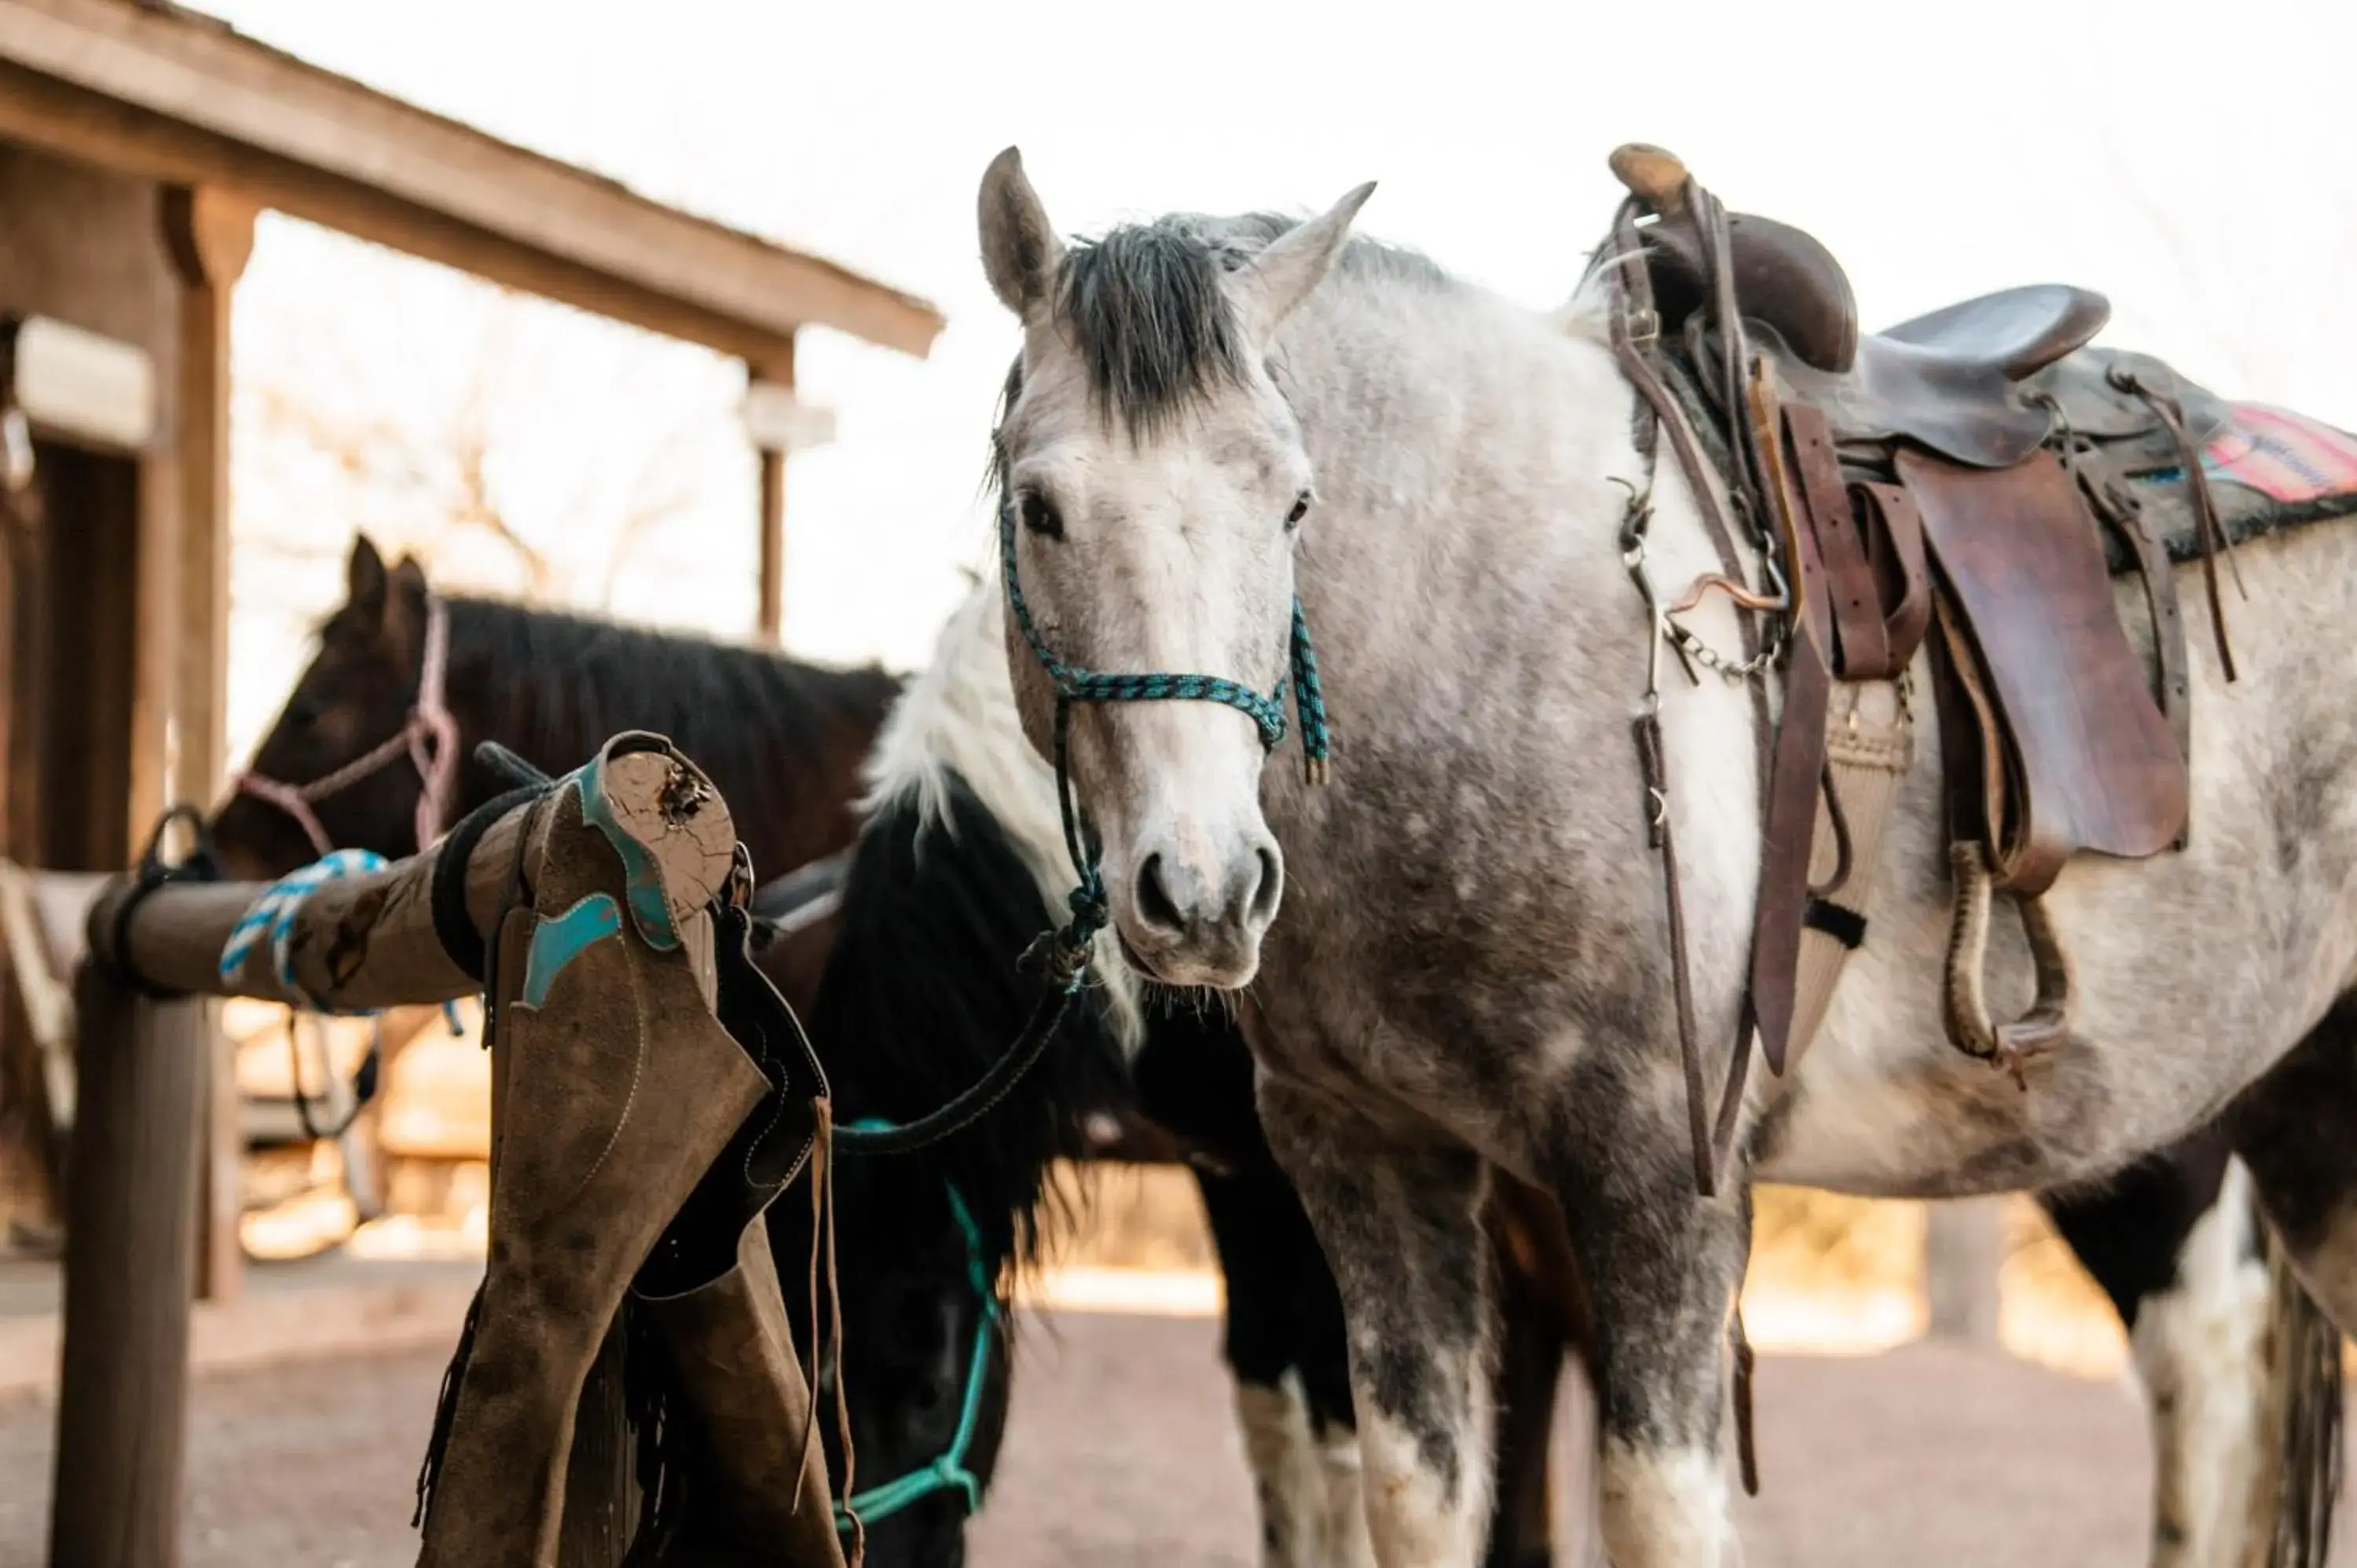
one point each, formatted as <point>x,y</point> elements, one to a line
<point>1945,483</point>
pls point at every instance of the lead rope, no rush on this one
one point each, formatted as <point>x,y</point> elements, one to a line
<point>948,1471</point>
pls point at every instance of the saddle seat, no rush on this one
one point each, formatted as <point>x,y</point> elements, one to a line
<point>1952,380</point>
<point>1947,380</point>
<point>2014,333</point>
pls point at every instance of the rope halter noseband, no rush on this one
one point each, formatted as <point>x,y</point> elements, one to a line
<point>428,737</point>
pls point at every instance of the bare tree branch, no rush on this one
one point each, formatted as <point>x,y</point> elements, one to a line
<point>447,477</point>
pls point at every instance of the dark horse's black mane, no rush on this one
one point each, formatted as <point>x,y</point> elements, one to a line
<point>925,989</point>
<point>749,716</point>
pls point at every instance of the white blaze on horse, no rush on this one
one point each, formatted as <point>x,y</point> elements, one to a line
<point>1475,964</point>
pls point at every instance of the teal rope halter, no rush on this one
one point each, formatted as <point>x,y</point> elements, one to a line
<point>949,1472</point>
<point>1074,684</point>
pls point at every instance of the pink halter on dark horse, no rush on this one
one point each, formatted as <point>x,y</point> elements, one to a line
<point>429,738</point>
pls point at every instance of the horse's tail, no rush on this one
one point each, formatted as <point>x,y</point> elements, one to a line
<point>2297,1482</point>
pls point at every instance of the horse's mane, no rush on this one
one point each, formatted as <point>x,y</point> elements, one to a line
<point>925,989</point>
<point>745,712</point>
<point>1156,330</point>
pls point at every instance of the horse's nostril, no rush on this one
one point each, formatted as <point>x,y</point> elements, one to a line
<point>1265,891</point>
<point>1155,906</point>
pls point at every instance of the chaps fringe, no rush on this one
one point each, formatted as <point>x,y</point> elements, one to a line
<point>446,1411</point>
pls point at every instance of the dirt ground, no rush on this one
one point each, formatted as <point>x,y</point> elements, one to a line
<point>1123,1453</point>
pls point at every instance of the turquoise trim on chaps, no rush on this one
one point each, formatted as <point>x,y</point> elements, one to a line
<point>650,904</point>
<point>558,941</point>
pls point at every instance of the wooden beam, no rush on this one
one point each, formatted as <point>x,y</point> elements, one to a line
<point>778,370</point>
<point>123,1388</point>
<point>188,101</point>
<point>209,233</point>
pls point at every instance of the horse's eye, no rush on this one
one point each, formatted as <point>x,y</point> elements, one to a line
<point>1039,515</point>
<point>302,712</point>
<point>1301,510</point>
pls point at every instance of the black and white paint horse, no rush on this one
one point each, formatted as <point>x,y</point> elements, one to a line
<point>1216,421</point>
<point>961,865</point>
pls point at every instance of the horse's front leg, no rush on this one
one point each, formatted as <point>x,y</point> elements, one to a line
<point>1400,1226</point>
<point>1662,1267</point>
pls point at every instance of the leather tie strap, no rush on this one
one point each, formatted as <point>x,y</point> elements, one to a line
<point>1894,551</point>
<point>1797,774</point>
<point>2208,530</point>
<point>1714,1136</point>
<point>1861,642</point>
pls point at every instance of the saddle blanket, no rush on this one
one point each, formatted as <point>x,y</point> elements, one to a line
<point>2270,469</point>
<point>2283,456</point>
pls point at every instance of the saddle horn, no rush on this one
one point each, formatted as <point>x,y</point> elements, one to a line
<point>1655,176</point>
<point>1783,275</point>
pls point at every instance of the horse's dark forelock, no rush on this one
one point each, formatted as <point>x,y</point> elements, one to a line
<point>1156,331</point>
<point>1155,326</point>
<point>925,989</point>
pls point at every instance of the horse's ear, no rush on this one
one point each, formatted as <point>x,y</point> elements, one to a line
<point>409,579</point>
<point>1295,262</point>
<point>401,632</point>
<point>1020,251</point>
<point>364,584</point>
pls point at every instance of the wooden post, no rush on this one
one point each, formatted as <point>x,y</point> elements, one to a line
<point>778,370</point>
<point>1963,1249</point>
<point>130,1264</point>
<point>210,236</point>
<point>32,1173</point>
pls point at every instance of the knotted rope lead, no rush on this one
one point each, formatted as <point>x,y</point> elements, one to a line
<point>275,913</point>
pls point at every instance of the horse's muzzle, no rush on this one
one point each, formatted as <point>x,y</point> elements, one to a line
<point>1193,914</point>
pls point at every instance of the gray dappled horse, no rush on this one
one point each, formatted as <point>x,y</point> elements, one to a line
<point>959,801</point>
<point>1214,417</point>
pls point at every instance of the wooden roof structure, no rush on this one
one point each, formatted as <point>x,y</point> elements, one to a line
<point>184,99</point>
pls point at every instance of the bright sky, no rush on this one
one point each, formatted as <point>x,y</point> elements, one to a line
<point>2203,176</point>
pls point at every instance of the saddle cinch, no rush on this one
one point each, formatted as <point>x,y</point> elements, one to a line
<point>1954,480</point>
